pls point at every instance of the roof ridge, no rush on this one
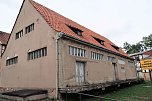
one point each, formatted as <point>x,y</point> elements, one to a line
<point>32,1</point>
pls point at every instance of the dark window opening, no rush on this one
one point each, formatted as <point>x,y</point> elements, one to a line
<point>111,59</point>
<point>122,68</point>
<point>99,40</point>
<point>76,30</point>
<point>19,34</point>
<point>115,47</point>
<point>37,53</point>
<point>12,61</point>
<point>29,28</point>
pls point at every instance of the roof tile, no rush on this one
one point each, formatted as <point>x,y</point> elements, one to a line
<point>4,37</point>
<point>59,23</point>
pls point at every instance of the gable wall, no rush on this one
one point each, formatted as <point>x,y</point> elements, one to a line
<point>37,73</point>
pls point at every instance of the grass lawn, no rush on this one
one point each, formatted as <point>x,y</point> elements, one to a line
<point>141,92</point>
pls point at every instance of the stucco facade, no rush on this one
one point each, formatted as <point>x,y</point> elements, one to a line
<point>58,68</point>
<point>38,73</point>
<point>96,71</point>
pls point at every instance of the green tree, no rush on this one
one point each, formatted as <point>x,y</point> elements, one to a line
<point>147,41</point>
<point>143,45</point>
<point>130,49</point>
<point>127,47</point>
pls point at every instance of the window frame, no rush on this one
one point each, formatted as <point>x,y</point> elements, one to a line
<point>12,61</point>
<point>30,28</point>
<point>96,56</point>
<point>39,53</point>
<point>75,51</point>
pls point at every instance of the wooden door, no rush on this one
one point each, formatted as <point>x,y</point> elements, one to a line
<point>80,73</point>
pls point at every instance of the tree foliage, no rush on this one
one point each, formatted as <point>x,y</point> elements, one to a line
<point>145,44</point>
<point>148,42</point>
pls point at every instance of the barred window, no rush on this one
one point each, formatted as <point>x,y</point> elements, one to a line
<point>37,53</point>
<point>12,61</point>
<point>76,51</point>
<point>96,56</point>
<point>111,59</point>
<point>29,28</point>
<point>19,34</point>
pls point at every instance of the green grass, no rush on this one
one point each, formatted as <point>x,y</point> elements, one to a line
<point>141,92</point>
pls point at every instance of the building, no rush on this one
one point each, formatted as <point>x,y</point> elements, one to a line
<point>48,51</point>
<point>3,41</point>
<point>137,58</point>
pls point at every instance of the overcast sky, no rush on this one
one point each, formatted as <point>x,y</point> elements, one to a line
<point>117,20</point>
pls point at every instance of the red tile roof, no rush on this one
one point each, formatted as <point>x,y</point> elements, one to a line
<point>4,37</point>
<point>149,53</point>
<point>59,23</point>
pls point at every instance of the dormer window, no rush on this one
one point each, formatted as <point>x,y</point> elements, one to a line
<point>76,30</point>
<point>99,40</point>
<point>115,47</point>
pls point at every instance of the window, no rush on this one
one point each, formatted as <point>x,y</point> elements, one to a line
<point>37,53</point>
<point>122,68</point>
<point>12,61</point>
<point>29,28</point>
<point>111,59</point>
<point>19,34</point>
<point>115,47</point>
<point>121,62</point>
<point>130,63</point>
<point>76,30</point>
<point>96,56</point>
<point>99,40</point>
<point>76,51</point>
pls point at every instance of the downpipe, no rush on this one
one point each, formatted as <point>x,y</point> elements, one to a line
<point>59,36</point>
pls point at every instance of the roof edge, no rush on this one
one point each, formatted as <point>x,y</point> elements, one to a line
<point>4,32</point>
<point>14,25</point>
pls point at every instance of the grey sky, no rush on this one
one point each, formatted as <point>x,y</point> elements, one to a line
<point>118,20</point>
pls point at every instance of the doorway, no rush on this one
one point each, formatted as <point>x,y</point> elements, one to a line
<point>115,72</point>
<point>80,72</point>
